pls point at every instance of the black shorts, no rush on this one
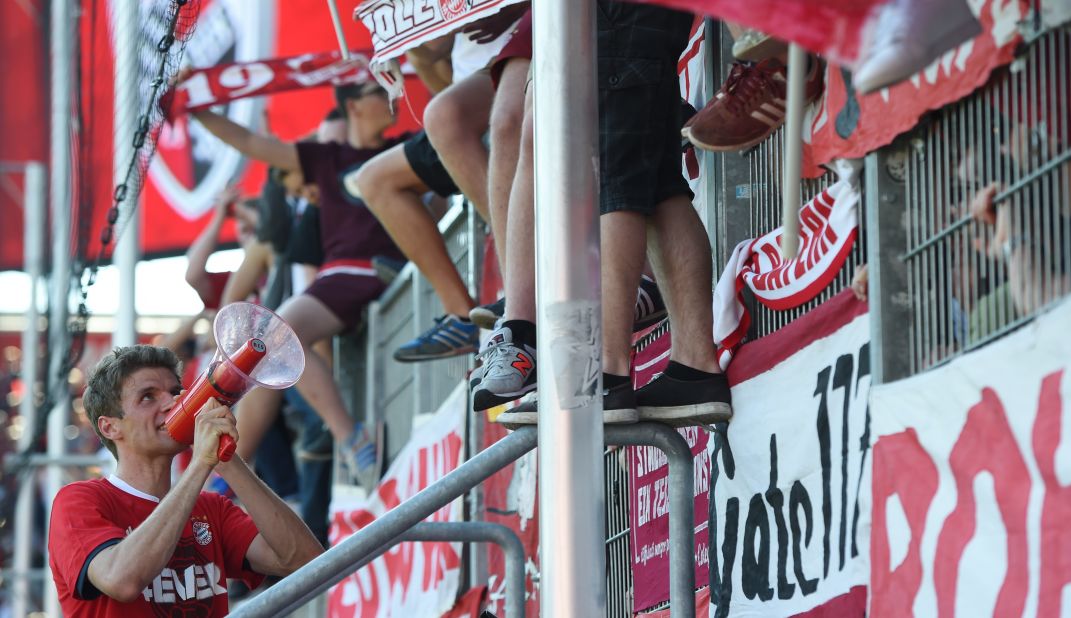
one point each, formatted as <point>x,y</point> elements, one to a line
<point>427,166</point>
<point>639,135</point>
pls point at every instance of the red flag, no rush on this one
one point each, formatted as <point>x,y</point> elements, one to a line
<point>832,28</point>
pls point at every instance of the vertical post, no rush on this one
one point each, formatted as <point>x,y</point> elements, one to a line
<point>332,6</point>
<point>60,202</point>
<point>890,305</point>
<point>790,181</point>
<point>571,501</point>
<point>124,20</point>
<point>35,190</point>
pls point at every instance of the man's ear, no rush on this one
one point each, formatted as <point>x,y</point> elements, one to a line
<point>109,427</point>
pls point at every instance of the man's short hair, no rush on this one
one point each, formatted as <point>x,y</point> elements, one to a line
<point>358,90</point>
<point>103,396</point>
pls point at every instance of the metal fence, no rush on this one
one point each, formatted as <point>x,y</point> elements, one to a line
<point>974,276</point>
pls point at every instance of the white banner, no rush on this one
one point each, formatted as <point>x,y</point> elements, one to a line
<point>411,579</point>
<point>971,505</point>
<point>785,481</point>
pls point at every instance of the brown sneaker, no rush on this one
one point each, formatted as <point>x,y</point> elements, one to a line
<point>749,106</point>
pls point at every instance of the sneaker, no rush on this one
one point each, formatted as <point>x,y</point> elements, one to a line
<point>755,46</point>
<point>650,308</point>
<point>487,316</point>
<point>386,268</point>
<point>362,456</point>
<point>450,336</point>
<point>681,403</point>
<point>618,408</point>
<point>509,371</point>
<point>749,107</point>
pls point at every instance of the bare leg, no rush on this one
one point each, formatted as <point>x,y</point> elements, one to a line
<point>507,118</point>
<point>681,257</point>
<point>455,121</point>
<point>519,274</point>
<point>624,241</point>
<point>256,412</point>
<point>392,192</point>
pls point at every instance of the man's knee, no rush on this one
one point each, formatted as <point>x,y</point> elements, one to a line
<point>507,118</point>
<point>377,178</point>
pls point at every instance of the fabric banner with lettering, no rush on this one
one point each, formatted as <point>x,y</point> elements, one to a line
<point>787,534</point>
<point>412,579</point>
<point>970,484</point>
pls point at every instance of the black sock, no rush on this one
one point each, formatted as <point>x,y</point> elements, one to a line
<point>523,331</point>
<point>678,371</point>
<point>609,380</point>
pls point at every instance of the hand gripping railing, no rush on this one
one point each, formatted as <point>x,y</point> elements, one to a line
<point>374,539</point>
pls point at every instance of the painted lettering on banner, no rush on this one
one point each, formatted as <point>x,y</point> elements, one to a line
<point>420,579</point>
<point>970,481</point>
<point>787,475</point>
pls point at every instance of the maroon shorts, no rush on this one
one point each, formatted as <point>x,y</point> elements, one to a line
<point>519,46</point>
<point>346,287</point>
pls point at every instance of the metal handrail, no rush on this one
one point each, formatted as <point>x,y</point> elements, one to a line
<point>338,562</point>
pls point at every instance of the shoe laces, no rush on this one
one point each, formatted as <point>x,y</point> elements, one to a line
<point>744,85</point>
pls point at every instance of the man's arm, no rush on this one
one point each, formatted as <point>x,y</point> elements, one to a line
<point>123,570</point>
<point>198,253</point>
<point>285,543</point>
<point>264,148</point>
<point>255,264</point>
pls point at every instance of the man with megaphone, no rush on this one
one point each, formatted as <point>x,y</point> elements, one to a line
<point>136,544</point>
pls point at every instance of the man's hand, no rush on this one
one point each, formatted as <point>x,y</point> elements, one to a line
<point>213,420</point>
<point>492,27</point>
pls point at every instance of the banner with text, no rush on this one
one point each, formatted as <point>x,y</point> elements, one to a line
<point>414,579</point>
<point>970,486</point>
<point>786,530</point>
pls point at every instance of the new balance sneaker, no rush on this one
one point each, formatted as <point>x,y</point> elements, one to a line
<point>509,371</point>
<point>487,316</point>
<point>361,455</point>
<point>618,408</point>
<point>749,107</point>
<point>684,403</point>
<point>650,308</point>
<point>450,336</point>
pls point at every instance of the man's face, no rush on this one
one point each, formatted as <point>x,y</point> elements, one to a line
<point>146,398</point>
<point>371,111</point>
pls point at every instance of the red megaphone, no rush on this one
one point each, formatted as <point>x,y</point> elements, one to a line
<point>254,347</point>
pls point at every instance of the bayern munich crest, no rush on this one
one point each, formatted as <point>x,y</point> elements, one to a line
<point>201,533</point>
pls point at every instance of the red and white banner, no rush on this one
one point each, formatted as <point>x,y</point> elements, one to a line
<point>224,83</point>
<point>844,125</point>
<point>828,227</point>
<point>970,482</point>
<point>649,517</point>
<point>787,534</point>
<point>412,579</point>
<point>400,25</point>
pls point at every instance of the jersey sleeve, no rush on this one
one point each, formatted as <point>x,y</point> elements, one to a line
<point>80,529</point>
<point>238,534</point>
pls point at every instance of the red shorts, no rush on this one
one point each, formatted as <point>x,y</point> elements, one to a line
<point>519,46</point>
<point>346,287</point>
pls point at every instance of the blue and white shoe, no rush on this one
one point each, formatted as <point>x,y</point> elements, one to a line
<point>361,455</point>
<point>450,336</point>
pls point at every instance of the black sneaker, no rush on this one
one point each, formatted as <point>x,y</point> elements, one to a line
<point>650,308</point>
<point>682,403</point>
<point>386,268</point>
<point>618,408</point>
<point>486,316</point>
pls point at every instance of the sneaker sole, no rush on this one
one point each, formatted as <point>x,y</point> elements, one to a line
<point>766,48</point>
<point>484,399</point>
<point>732,148</point>
<point>483,318</point>
<point>515,420</point>
<point>416,358</point>
<point>687,415</point>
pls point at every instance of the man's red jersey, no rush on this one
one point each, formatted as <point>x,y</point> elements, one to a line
<point>90,516</point>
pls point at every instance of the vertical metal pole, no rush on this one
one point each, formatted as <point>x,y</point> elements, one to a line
<point>332,6</point>
<point>571,501</point>
<point>790,181</point>
<point>62,35</point>
<point>35,189</point>
<point>124,42</point>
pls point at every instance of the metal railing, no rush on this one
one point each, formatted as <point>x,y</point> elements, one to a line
<point>973,278</point>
